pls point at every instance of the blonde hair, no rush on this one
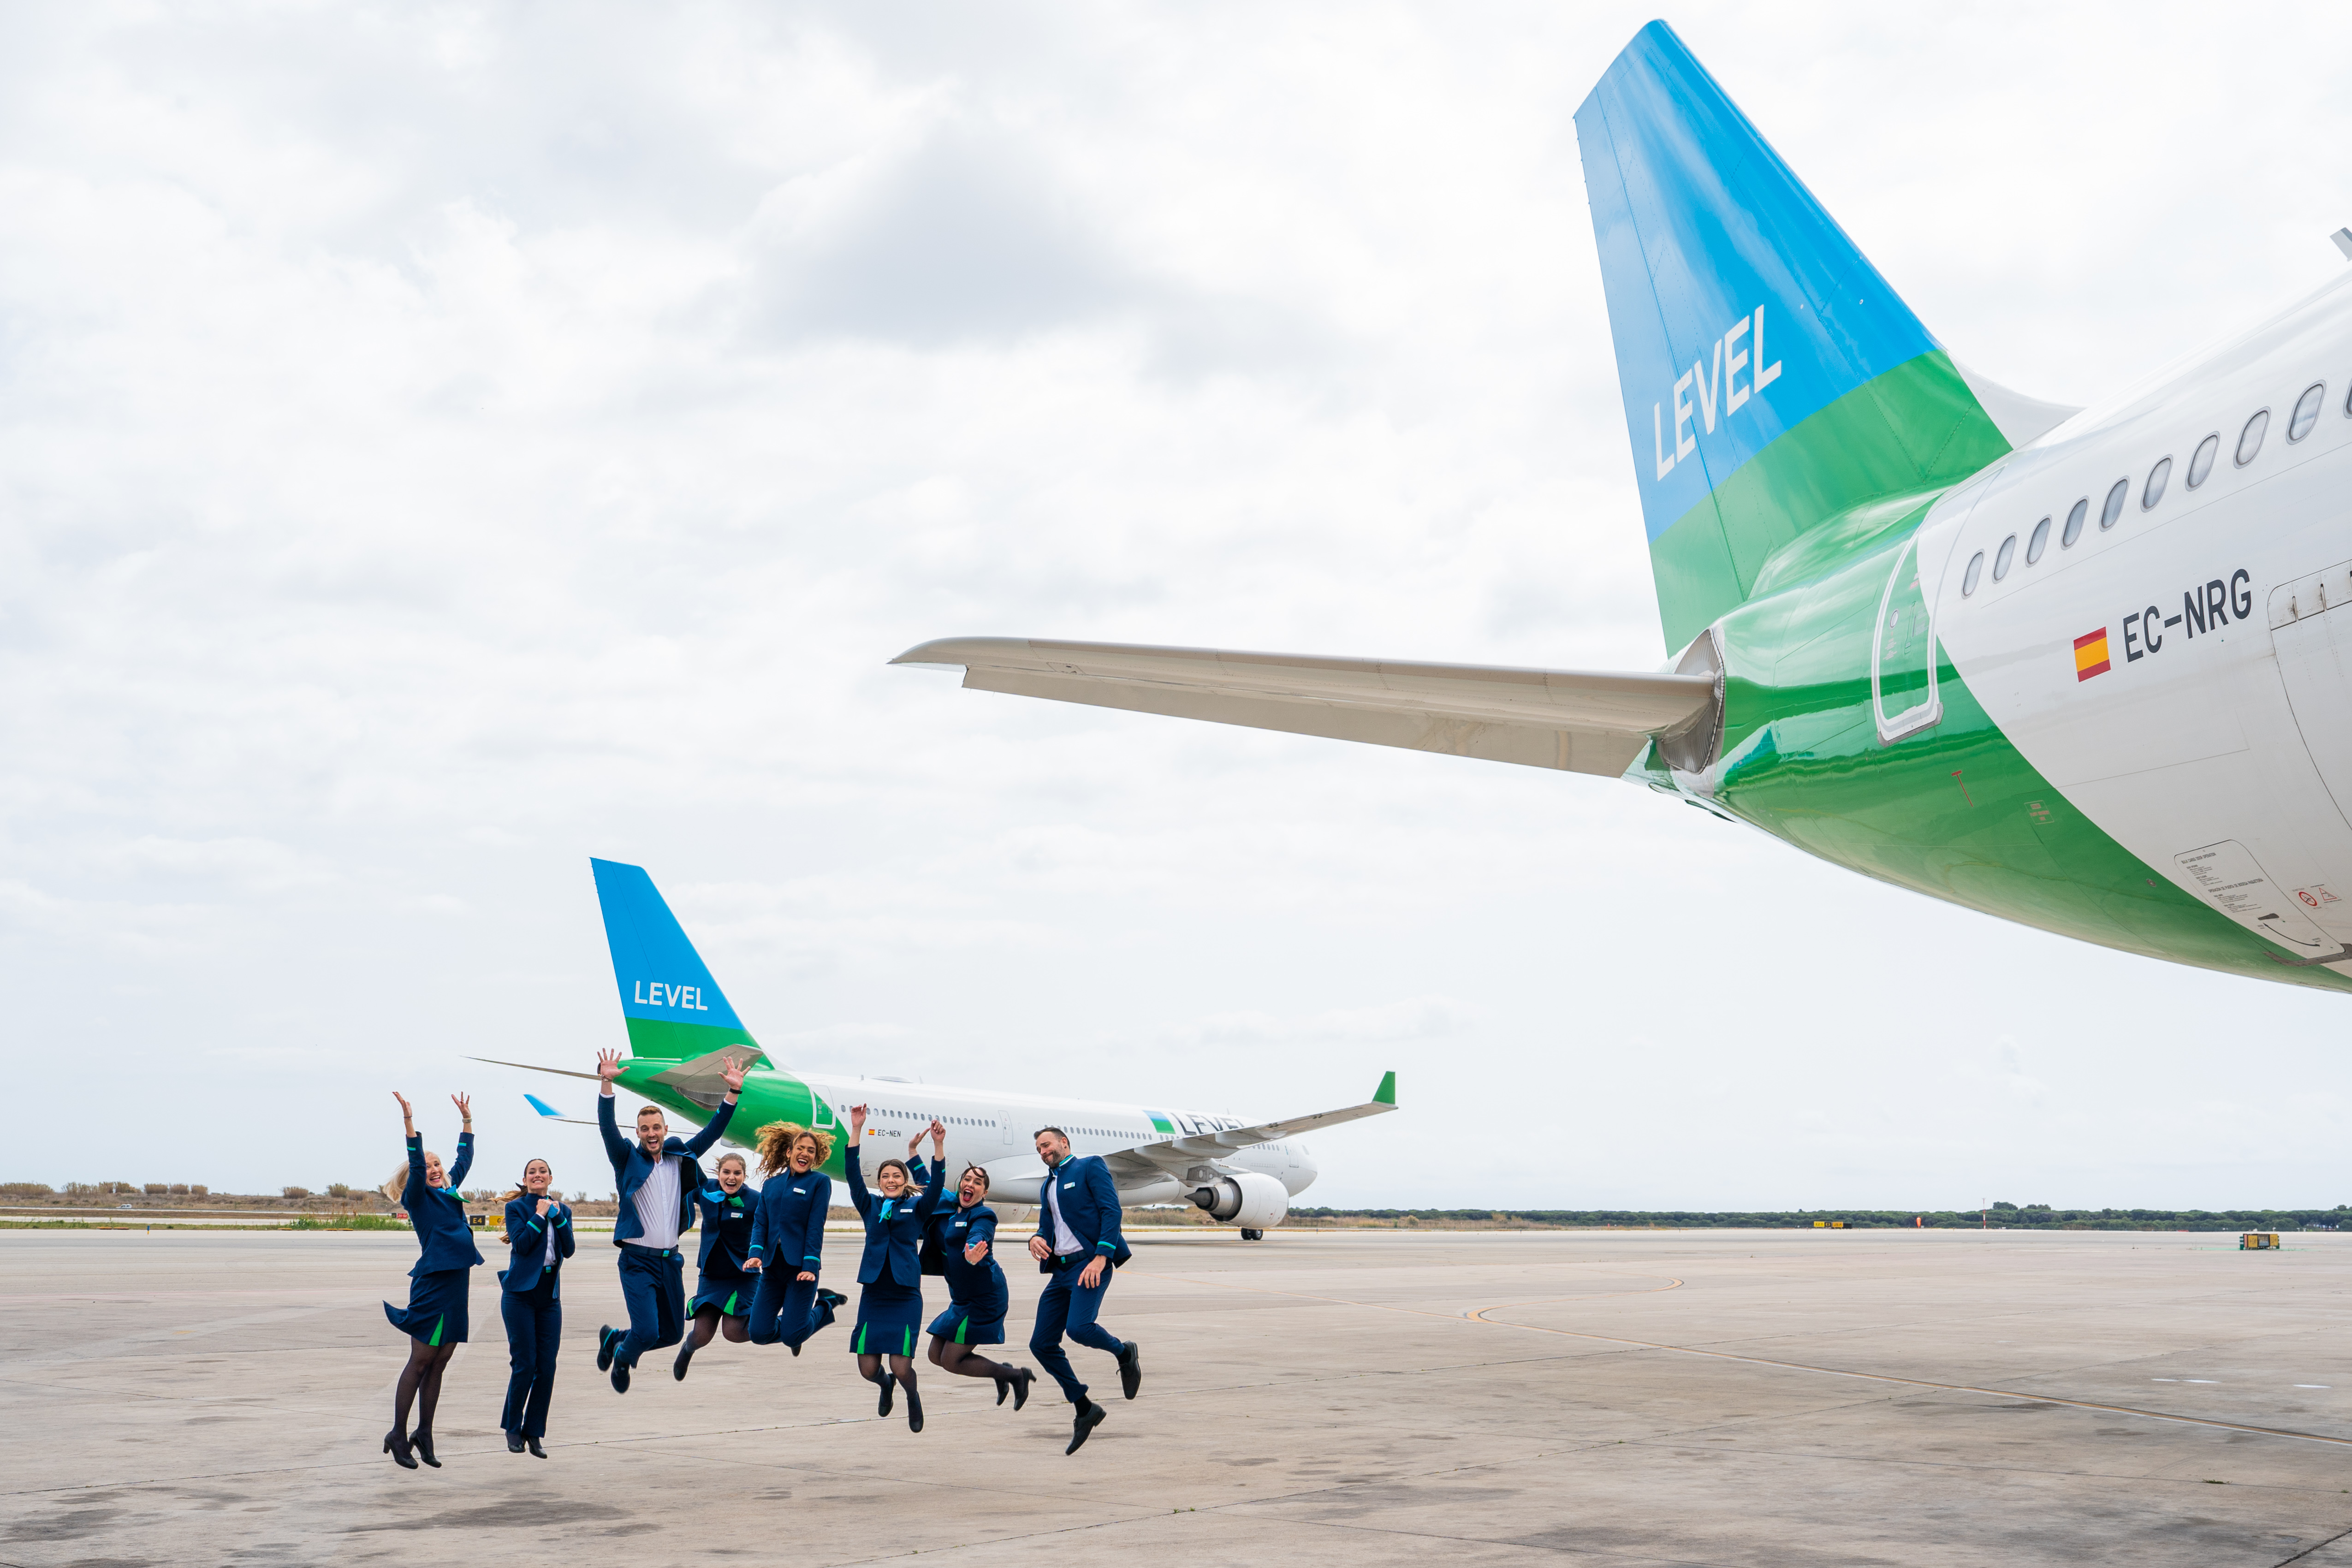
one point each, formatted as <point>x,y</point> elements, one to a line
<point>776,1140</point>
<point>398,1185</point>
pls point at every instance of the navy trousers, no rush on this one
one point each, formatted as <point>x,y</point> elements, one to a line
<point>654,1285</point>
<point>785,1309</point>
<point>534,1321</point>
<point>1068,1306</point>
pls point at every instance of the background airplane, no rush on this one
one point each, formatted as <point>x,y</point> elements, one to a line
<point>682,1032</point>
<point>2077,668</point>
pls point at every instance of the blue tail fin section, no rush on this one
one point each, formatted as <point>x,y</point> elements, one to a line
<point>1740,310</point>
<point>673,1005</point>
<point>542,1107</point>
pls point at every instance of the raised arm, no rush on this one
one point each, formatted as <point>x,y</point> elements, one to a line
<point>929,1202</point>
<point>852,1165</point>
<point>701,1142</point>
<point>411,1194</point>
<point>465,1142</point>
<point>617,1148</point>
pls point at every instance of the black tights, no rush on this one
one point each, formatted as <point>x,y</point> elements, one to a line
<point>708,1321</point>
<point>964,1361</point>
<point>869,1367</point>
<point>420,1384</point>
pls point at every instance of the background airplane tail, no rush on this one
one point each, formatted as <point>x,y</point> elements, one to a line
<point>1772,379</point>
<point>674,1010</point>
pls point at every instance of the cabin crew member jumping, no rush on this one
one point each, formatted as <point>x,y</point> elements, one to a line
<point>722,1295</point>
<point>435,1321</point>
<point>539,1229</point>
<point>788,1237</point>
<point>658,1178</point>
<point>1078,1243</point>
<point>890,1304</point>
<point>962,1241</point>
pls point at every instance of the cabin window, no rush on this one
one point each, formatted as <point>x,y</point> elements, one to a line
<point>2074,523</point>
<point>2250,439</point>
<point>2306,412</point>
<point>1968,578</point>
<point>2039,542</point>
<point>2201,464</point>
<point>2114,508</point>
<point>2154,490</point>
<point>2003,556</point>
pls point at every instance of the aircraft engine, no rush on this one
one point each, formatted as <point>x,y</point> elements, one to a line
<point>1252,1200</point>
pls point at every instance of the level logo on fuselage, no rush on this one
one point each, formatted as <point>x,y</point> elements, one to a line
<point>1717,382</point>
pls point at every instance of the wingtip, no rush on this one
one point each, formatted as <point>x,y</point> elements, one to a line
<point>1386,1093</point>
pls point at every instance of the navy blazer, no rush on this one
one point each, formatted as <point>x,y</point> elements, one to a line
<point>630,1166</point>
<point>951,1230</point>
<point>726,1226</point>
<point>892,1244</point>
<point>1090,1201</point>
<point>526,1234</point>
<point>443,1232</point>
<point>788,1231</point>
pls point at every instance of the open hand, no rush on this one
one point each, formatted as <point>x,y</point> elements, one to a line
<point>731,1072</point>
<point>976,1253</point>
<point>751,1266</point>
<point>608,1067</point>
<point>465,1108</point>
<point>406,1114</point>
<point>857,1121</point>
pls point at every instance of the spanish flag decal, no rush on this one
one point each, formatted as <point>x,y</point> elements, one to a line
<point>2091,654</point>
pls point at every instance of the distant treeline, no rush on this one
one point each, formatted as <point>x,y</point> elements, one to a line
<point>2035,1216</point>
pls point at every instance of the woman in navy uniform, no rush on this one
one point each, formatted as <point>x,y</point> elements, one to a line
<point>539,1230</point>
<point>960,1242</point>
<point>434,1320</point>
<point>722,1295</point>
<point>788,1237</point>
<point>890,1306</point>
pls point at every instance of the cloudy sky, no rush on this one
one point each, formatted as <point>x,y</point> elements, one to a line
<point>441,444</point>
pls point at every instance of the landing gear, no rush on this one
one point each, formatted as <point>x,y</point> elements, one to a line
<point>1253,1234</point>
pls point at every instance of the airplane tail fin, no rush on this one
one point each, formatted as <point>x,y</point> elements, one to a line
<point>1772,379</point>
<point>673,1008</point>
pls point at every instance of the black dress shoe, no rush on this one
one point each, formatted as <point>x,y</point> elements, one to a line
<point>1023,1378</point>
<point>889,1383</point>
<point>914,1410</point>
<point>397,1446</point>
<point>795,1349</point>
<point>605,1338</point>
<point>1090,1416</point>
<point>422,1441</point>
<point>535,1451</point>
<point>685,1354</point>
<point>620,1378</point>
<point>832,1297</point>
<point>1130,1368</point>
<point>514,1442</point>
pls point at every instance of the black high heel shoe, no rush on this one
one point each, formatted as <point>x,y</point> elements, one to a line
<point>397,1446</point>
<point>514,1442</point>
<point>1021,1379</point>
<point>535,1451</point>
<point>914,1411</point>
<point>889,1383</point>
<point>422,1441</point>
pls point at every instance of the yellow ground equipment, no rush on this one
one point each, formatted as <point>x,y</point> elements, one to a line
<point>2258,1241</point>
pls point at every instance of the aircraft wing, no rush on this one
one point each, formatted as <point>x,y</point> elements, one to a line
<point>1576,721</point>
<point>1175,1156</point>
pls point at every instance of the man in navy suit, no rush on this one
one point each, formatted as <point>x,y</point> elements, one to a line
<point>1077,1244</point>
<point>658,1176</point>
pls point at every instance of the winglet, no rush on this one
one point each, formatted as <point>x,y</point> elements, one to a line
<point>1386,1093</point>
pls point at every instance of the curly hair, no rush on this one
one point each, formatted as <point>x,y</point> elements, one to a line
<point>776,1140</point>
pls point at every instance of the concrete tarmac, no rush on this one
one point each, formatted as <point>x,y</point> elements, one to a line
<point>1543,1397</point>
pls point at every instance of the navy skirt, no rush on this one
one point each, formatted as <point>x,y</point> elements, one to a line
<point>436,1307</point>
<point>730,1293</point>
<point>889,1316</point>
<point>961,1325</point>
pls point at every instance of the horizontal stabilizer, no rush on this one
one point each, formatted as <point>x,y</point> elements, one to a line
<point>1576,721</point>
